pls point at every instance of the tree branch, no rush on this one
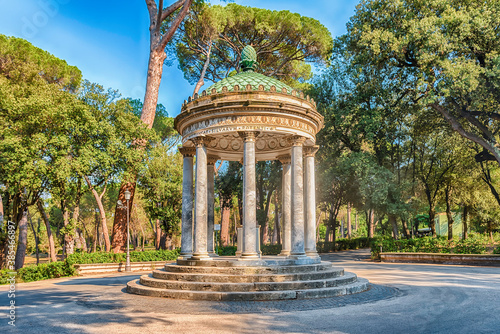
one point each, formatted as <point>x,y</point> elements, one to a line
<point>152,13</point>
<point>170,9</point>
<point>175,24</point>
<point>455,124</point>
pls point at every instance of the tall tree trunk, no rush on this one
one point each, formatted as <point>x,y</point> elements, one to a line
<point>96,235</point>
<point>371,223</point>
<point>22,240</point>
<point>406,231</point>
<point>329,226</point>
<point>76,212</point>
<point>277,227</point>
<point>158,234</point>
<point>394,225</point>
<point>119,235</point>
<point>464,222</point>
<point>432,220</point>
<point>50,237</point>
<point>490,230</point>
<point>1,210</point>
<point>157,56</point>
<point>264,238</point>
<point>348,220</point>
<point>356,220</point>
<point>449,216</point>
<point>224,224</point>
<point>201,81</point>
<point>36,235</point>
<point>102,213</point>
<point>69,241</point>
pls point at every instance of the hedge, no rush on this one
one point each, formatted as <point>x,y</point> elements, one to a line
<point>40,272</point>
<point>321,247</point>
<point>65,268</point>
<point>475,244</point>
<point>343,244</point>
<point>135,256</point>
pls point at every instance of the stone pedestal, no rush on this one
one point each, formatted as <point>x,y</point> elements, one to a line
<point>286,239</point>
<point>310,201</point>
<point>187,203</point>
<point>297,250</point>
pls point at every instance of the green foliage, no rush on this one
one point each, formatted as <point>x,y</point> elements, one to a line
<point>443,54</point>
<point>283,42</point>
<point>161,184</point>
<point>475,244</point>
<point>135,256</point>
<point>227,251</point>
<point>40,272</point>
<point>270,249</point>
<point>46,271</point>
<point>343,244</point>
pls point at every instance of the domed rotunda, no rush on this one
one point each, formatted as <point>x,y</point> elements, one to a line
<point>249,117</point>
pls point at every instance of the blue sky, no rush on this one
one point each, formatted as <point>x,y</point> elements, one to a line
<point>109,40</point>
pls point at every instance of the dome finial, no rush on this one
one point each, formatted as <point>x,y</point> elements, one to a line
<point>248,58</point>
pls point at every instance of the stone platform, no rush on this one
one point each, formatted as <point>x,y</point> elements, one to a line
<point>232,279</point>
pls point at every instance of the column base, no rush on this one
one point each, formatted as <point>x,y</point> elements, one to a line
<point>284,253</point>
<point>200,256</point>
<point>185,256</point>
<point>312,254</point>
<point>249,256</point>
<point>213,254</point>
<point>297,256</point>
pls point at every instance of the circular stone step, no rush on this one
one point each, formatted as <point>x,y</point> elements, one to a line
<point>175,268</point>
<point>148,280</point>
<point>242,262</point>
<point>358,286</point>
<point>232,279</point>
<point>312,275</point>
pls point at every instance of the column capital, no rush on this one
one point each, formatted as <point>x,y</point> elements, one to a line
<point>310,151</point>
<point>285,159</point>
<point>202,140</point>
<point>296,140</point>
<point>248,135</point>
<point>212,159</point>
<point>187,151</point>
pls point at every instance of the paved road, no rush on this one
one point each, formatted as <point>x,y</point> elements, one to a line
<point>419,298</point>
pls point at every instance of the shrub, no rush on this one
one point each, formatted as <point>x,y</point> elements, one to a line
<point>135,256</point>
<point>46,271</point>
<point>4,276</point>
<point>270,249</point>
<point>475,244</point>
<point>227,251</point>
<point>343,244</point>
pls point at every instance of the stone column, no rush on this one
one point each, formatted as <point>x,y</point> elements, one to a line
<point>250,242</point>
<point>211,160</point>
<point>286,225</point>
<point>200,201</point>
<point>187,203</point>
<point>297,250</point>
<point>310,202</point>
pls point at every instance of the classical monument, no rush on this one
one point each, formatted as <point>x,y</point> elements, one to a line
<point>249,117</point>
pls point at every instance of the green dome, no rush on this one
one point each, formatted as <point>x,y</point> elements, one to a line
<point>248,77</point>
<point>245,78</point>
